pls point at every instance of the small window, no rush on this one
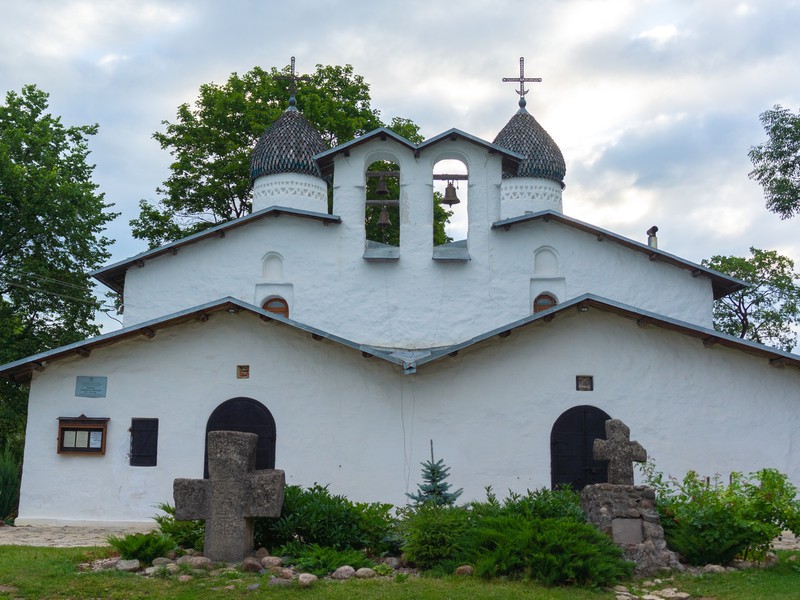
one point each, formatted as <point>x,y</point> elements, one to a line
<point>144,442</point>
<point>543,302</point>
<point>279,306</point>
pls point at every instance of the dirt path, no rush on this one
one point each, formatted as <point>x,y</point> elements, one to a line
<point>62,537</point>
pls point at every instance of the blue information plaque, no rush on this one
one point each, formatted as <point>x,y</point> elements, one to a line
<point>90,387</point>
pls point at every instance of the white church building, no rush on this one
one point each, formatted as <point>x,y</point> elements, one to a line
<point>509,349</point>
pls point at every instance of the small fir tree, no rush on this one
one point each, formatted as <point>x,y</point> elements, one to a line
<point>435,489</point>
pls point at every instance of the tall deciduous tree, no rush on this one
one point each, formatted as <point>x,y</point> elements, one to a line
<point>51,223</point>
<point>776,163</point>
<point>211,142</point>
<point>768,310</point>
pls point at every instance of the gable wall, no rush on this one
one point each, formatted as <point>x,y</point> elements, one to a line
<point>363,427</point>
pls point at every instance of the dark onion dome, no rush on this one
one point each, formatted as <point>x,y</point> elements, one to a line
<point>287,146</point>
<point>543,158</point>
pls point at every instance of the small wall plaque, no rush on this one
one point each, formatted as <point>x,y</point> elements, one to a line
<point>90,387</point>
<point>242,371</point>
<point>584,383</point>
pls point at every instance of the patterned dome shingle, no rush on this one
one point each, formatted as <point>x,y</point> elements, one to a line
<point>287,146</point>
<point>543,158</point>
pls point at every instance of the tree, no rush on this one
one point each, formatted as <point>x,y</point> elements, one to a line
<point>768,310</point>
<point>435,489</point>
<point>776,163</point>
<point>211,143</point>
<point>51,219</point>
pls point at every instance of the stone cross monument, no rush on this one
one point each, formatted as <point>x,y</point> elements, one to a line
<point>234,494</point>
<point>619,451</point>
<point>627,512</point>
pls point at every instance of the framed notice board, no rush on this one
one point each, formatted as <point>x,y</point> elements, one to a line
<point>82,435</point>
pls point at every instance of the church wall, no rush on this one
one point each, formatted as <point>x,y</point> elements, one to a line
<point>414,302</point>
<point>364,427</point>
<point>606,269</point>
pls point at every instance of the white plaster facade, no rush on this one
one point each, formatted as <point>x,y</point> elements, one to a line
<point>363,426</point>
<point>358,412</point>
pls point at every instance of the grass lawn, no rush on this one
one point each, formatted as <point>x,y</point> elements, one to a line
<point>31,572</point>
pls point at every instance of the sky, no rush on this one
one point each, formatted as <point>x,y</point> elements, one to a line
<point>654,104</point>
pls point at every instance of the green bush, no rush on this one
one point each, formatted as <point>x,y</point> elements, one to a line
<point>142,546</point>
<point>9,482</point>
<point>320,560</point>
<point>550,551</point>
<point>432,533</point>
<point>186,534</point>
<point>706,521</point>
<point>315,516</point>
<point>563,503</point>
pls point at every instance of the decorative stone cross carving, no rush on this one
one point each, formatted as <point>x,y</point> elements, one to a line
<point>619,451</point>
<point>232,497</point>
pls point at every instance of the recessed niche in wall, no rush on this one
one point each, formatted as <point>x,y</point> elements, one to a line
<point>584,383</point>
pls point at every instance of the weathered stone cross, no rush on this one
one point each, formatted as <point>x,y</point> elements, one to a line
<point>619,451</point>
<point>232,497</point>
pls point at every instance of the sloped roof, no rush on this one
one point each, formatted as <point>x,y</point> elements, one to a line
<point>510,158</point>
<point>287,146</point>
<point>543,157</point>
<point>113,275</point>
<point>721,283</point>
<point>409,361</point>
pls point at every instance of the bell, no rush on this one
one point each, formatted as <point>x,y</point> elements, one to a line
<point>381,189</point>
<point>450,197</point>
<point>383,218</point>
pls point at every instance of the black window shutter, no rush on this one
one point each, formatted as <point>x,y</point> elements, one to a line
<point>144,442</point>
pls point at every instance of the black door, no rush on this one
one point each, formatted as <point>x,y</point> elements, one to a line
<point>571,442</point>
<point>249,416</point>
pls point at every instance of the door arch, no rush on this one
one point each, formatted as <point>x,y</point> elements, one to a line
<point>249,416</point>
<point>571,442</point>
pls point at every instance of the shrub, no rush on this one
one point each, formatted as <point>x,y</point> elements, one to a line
<point>142,546</point>
<point>186,534</point>
<point>550,551</point>
<point>9,482</point>
<point>706,521</point>
<point>563,503</point>
<point>435,489</point>
<point>320,560</point>
<point>432,533</point>
<point>315,516</point>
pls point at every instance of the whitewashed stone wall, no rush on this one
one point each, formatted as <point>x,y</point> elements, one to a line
<point>415,301</point>
<point>363,427</point>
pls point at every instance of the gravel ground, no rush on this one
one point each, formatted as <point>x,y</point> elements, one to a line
<point>62,537</point>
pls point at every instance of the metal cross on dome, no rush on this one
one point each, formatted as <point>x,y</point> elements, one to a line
<point>293,79</point>
<point>522,79</point>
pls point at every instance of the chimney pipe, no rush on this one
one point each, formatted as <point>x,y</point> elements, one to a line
<point>652,240</point>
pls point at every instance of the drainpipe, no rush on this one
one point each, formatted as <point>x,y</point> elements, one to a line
<point>652,240</point>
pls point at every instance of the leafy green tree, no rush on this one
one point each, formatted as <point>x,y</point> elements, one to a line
<point>211,142</point>
<point>768,310</point>
<point>435,489</point>
<point>51,219</point>
<point>776,163</point>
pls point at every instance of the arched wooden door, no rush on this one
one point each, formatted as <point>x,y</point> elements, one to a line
<point>571,441</point>
<point>249,416</point>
